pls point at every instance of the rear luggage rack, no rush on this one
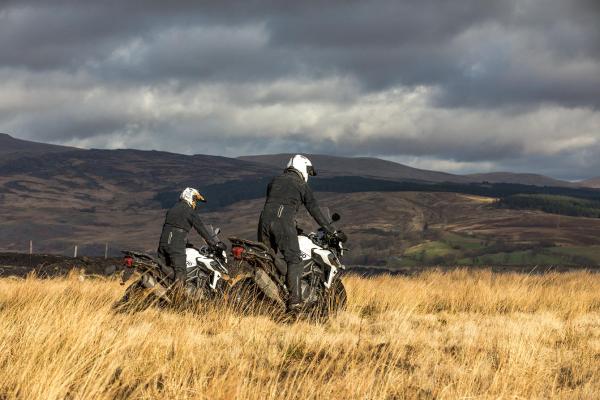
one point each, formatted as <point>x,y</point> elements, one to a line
<point>251,248</point>
<point>149,262</point>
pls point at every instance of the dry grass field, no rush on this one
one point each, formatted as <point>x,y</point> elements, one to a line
<point>439,335</point>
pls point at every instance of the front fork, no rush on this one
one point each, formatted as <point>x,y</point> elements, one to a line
<point>333,272</point>
<point>216,276</point>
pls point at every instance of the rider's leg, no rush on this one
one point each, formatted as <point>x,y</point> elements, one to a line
<point>178,260</point>
<point>293,281</point>
<point>287,241</point>
<point>163,255</point>
<point>262,233</point>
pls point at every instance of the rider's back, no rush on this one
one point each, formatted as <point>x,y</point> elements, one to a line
<point>287,189</point>
<point>180,216</point>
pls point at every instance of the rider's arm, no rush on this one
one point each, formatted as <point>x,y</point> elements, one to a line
<point>311,204</point>
<point>202,230</point>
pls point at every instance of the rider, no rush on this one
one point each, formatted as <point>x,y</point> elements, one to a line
<point>277,225</point>
<point>178,222</point>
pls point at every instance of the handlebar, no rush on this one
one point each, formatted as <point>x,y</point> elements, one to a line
<point>329,239</point>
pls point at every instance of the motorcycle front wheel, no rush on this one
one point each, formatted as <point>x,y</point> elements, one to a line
<point>334,300</point>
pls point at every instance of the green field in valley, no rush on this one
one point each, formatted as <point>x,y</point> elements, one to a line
<point>452,248</point>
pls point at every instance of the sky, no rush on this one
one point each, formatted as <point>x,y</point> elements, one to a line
<point>460,86</point>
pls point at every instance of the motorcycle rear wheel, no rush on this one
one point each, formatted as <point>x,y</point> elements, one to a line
<point>246,297</point>
<point>136,298</point>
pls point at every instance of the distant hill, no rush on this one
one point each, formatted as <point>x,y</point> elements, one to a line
<point>593,182</point>
<point>381,169</point>
<point>136,169</point>
<point>58,195</point>
<point>207,169</point>
<point>9,144</point>
<point>61,196</point>
<point>328,166</point>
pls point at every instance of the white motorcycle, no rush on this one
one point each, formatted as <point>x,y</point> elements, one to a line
<point>262,280</point>
<point>206,271</point>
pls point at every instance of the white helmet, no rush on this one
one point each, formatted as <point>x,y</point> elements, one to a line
<point>190,196</point>
<point>302,165</point>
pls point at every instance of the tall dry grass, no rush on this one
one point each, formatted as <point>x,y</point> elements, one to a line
<point>437,335</point>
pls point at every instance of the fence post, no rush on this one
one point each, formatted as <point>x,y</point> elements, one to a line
<point>30,247</point>
<point>106,251</point>
<point>75,253</point>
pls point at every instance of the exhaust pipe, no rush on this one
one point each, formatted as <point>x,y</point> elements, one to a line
<point>266,284</point>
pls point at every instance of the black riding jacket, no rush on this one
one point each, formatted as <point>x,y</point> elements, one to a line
<point>286,193</point>
<point>181,218</point>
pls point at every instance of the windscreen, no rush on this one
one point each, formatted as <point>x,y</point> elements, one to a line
<point>326,213</point>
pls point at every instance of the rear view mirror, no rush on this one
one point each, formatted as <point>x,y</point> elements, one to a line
<point>217,231</point>
<point>335,217</point>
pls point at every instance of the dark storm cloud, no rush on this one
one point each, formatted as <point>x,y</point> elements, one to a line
<point>479,53</point>
<point>309,76</point>
<point>476,52</point>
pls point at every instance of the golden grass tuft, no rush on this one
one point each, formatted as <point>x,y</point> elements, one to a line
<point>435,335</point>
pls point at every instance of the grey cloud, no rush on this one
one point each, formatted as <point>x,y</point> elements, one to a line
<point>385,25</point>
<point>318,59</point>
<point>75,124</point>
<point>213,54</point>
<point>381,44</point>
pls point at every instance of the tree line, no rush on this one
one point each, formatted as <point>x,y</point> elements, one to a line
<point>554,204</point>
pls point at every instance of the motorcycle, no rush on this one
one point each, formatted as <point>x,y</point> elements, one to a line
<point>206,269</point>
<point>262,280</point>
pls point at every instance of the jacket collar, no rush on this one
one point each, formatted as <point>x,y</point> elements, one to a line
<point>295,172</point>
